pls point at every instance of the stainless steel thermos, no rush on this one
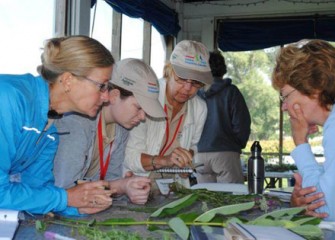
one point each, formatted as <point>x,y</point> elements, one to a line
<point>256,169</point>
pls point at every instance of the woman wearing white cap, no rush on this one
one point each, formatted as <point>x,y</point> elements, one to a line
<point>172,141</point>
<point>93,149</point>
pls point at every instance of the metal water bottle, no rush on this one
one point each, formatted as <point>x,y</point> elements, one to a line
<point>256,169</point>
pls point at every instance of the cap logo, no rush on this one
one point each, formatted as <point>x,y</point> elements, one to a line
<point>152,88</point>
<point>128,82</point>
<point>196,60</point>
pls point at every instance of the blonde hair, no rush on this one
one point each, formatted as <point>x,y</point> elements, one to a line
<point>168,71</point>
<point>74,54</point>
<point>308,67</point>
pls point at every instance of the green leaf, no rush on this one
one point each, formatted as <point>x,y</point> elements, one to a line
<point>280,213</point>
<point>179,227</point>
<point>306,220</point>
<point>40,226</point>
<point>91,223</point>
<point>309,232</point>
<point>175,206</point>
<point>225,210</point>
<point>188,217</point>
<point>266,222</point>
<point>288,224</point>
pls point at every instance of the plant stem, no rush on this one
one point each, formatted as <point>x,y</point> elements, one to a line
<point>80,223</point>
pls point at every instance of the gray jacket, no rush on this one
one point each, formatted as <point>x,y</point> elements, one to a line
<point>74,155</point>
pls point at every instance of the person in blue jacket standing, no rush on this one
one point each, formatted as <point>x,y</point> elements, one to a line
<point>74,76</point>
<point>227,128</point>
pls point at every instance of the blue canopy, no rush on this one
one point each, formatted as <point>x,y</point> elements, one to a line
<point>163,18</point>
<point>246,35</point>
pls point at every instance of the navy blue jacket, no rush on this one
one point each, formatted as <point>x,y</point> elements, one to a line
<point>227,126</point>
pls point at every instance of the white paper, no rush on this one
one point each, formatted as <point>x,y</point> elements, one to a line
<point>9,221</point>
<point>163,185</point>
<point>266,232</point>
<point>235,188</point>
<point>327,225</point>
<point>9,215</point>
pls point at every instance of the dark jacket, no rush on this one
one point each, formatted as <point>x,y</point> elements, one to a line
<point>227,126</point>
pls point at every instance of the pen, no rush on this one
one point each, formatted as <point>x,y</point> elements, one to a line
<point>56,236</point>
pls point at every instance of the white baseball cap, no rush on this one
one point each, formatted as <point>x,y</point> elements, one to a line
<point>189,60</point>
<point>137,77</point>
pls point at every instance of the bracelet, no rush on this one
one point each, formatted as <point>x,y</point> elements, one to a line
<point>153,164</point>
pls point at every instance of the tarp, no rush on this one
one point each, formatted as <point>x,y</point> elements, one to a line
<point>163,18</point>
<point>246,35</point>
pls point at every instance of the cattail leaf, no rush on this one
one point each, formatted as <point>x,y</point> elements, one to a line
<point>305,220</point>
<point>175,206</point>
<point>179,227</point>
<point>188,217</point>
<point>309,232</point>
<point>279,214</point>
<point>225,210</point>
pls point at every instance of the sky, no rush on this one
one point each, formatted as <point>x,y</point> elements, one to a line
<point>24,24</point>
<point>132,36</point>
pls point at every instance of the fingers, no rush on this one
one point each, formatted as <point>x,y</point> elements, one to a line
<point>96,200</point>
<point>315,214</point>
<point>308,193</point>
<point>101,201</point>
<point>181,157</point>
<point>138,189</point>
<point>298,180</point>
<point>303,196</point>
<point>313,206</point>
<point>96,185</point>
<point>139,199</point>
<point>299,125</point>
<point>307,197</point>
<point>129,174</point>
<point>140,184</point>
<point>87,195</point>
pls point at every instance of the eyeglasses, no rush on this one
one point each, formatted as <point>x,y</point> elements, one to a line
<point>103,87</point>
<point>283,98</point>
<point>183,81</point>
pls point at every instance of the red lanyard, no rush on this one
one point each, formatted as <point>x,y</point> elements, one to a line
<point>167,130</point>
<point>103,167</point>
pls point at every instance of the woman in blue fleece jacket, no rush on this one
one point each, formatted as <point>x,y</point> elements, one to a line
<point>74,77</point>
<point>305,76</point>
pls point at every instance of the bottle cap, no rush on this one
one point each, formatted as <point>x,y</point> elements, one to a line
<point>256,147</point>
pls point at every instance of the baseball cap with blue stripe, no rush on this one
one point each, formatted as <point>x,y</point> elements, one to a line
<point>190,60</point>
<point>137,77</point>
